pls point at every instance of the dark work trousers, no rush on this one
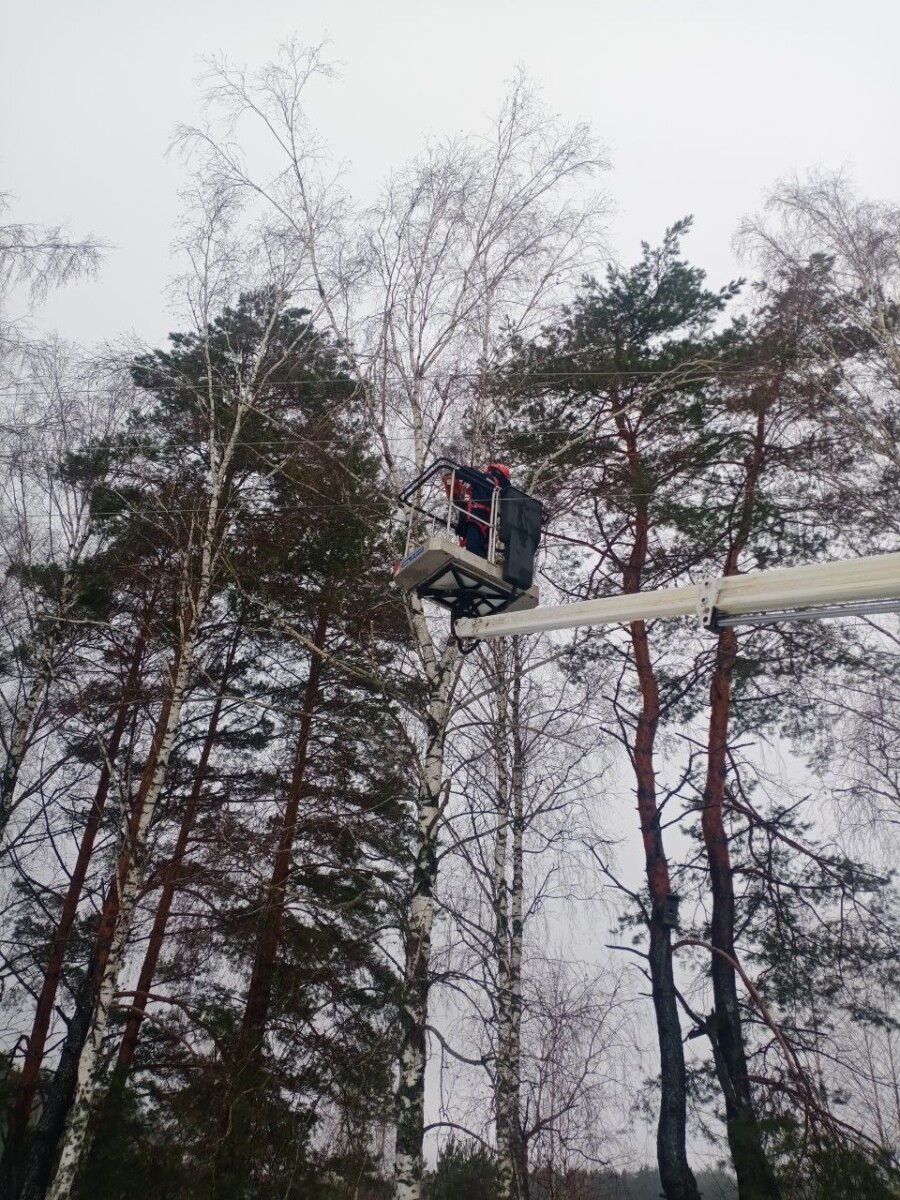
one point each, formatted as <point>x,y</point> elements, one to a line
<point>476,538</point>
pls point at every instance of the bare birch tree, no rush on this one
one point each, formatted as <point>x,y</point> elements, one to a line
<point>51,399</point>
<point>820,219</point>
<point>42,259</point>
<point>62,403</point>
<point>471,240</point>
<point>33,261</point>
<point>525,772</point>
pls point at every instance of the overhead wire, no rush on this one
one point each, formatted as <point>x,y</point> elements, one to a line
<point>711,369</point>
<point>685,373</point>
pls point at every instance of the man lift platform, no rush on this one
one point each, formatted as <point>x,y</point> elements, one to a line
<point>442,501</point>
<point>494,596</point>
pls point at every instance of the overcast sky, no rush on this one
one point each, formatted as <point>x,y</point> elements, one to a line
<point>702,104</point>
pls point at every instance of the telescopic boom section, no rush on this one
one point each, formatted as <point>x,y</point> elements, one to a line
<point>855,586</point>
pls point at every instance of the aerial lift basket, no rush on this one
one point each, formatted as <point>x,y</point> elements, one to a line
<point>438,568</point>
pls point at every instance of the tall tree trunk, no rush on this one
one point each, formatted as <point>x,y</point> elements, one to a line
<point>755,1177</point>
<point>410,1098</point>
<point>671,1133</point>
<point>172,875</point>
<point>68,1076</point>
<point>200,561</point>
<point>195,593</point>
<point>58,1101</point>
<point>115,923</point>
<point>247,1081</point>
<point>34,1052</point>
<point>508,893</point>
<point>516,922</point>
<point>504,1080</point>
<point>259,994</point>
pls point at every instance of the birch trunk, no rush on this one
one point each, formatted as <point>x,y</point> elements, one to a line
<point>508,894</point>
<point>58,1100</point>
<point>410,1098</point>
<point>59,1097</point>
<point>129,877</point>
<point>468,244</point>
<point>504,1080</point>
<point>203,544</point>
<point>34,1052</point>
<point>516,932</point>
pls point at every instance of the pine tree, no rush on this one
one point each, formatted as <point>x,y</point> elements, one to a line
<point>611,408</point>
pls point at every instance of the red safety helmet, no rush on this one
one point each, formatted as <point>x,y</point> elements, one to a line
<point>498,469</point>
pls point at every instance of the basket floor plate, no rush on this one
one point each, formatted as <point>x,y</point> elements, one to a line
<point>427,563</point>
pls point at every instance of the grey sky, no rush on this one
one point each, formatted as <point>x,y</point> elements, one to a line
<point>701,103</point>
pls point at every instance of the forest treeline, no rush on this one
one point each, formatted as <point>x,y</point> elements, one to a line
<point>300,901</point>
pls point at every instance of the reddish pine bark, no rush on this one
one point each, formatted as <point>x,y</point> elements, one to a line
<point>671,1134</point>
<point>171,877</point>
<point>229,1169</point>
<point>259,993</point>
<point>756,1179</point>
<point>37,1040</point>
<point>50,1128</point>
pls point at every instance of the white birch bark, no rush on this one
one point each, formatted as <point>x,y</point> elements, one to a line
<point>75,1138</point>
<point>508,892</point>
<point>472,237</point>
<point>516,927</point>
<point>194,603</point>
<point>410,1101</point>
<point>133,857</point>
<point>503,1082</point>
<point>23,727</point>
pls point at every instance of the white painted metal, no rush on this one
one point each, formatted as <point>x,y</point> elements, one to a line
<point>706,601</point>
<point>872,578</point>
<point>436,507</point>
<point>869,608</point>
<point>494,526</point>
<point>434,557</point>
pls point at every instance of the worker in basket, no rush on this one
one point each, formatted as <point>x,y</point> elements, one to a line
<point>473,525</point>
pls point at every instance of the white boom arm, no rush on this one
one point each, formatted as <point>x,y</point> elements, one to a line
<point>825,589</point>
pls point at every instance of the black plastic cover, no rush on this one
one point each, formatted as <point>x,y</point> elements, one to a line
<point>520,532</point>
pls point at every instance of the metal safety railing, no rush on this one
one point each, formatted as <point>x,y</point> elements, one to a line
<point>436,507</point>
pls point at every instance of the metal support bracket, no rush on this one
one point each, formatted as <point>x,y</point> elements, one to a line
<point>706,604</point>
